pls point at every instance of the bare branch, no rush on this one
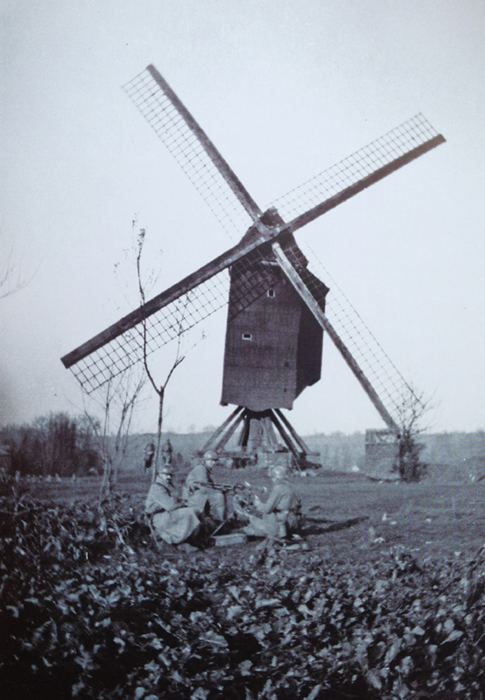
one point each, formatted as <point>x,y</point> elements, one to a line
<point>117,404</point>
<point>412,410</point>
<point>11,279</point>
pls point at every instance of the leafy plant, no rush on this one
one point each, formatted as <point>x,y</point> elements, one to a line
<point>90,608</point>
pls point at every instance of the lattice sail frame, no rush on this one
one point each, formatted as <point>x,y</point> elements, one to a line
<point>223,193</point>
<point>171,322</point>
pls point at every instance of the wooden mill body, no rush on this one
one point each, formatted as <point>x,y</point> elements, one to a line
<point>273,348</point>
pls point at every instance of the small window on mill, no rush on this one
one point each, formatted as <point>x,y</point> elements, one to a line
<point>270,292</point>
<point>247,336</point>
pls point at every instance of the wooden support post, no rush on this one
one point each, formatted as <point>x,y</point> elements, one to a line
<point>285,435</point>
<point>270,433</point>
<point>244,437</point>
<point>224,439</point>
<point>292,431</point>
<point>215,436</point>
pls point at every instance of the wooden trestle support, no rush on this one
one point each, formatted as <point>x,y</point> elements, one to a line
<point>257,441</point>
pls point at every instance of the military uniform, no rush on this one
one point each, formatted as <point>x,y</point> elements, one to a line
<point>172,523</point>
<point>149,455</point>
<point>281,512</point>
<point>199,493</point>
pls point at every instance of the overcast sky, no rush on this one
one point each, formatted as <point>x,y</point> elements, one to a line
<point>284,89</point>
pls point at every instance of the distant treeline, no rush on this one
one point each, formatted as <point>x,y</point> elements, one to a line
<point>455,448</point>
<point>63,445</point>
<point>50,445</point>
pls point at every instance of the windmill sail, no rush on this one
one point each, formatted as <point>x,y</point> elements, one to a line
<point>116,355</point>
<point>387,381</point>
<point>165,317</point>
<point>357,172</point>
<point>375,371</point>
<point>223,192</point>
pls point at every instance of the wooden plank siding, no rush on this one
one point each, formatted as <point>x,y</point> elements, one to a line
<point>273,348</point>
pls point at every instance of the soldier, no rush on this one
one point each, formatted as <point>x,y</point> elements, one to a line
<point>167,452</point>
<point>280,513</point>
<point>201,493</point>
<point>149,454</point>
<point>171,521</point>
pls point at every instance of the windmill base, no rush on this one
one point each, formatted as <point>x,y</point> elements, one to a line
<point>254,441</point>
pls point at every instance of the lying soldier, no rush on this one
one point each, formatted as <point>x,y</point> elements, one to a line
<point>281,512</point>
<point>201,493</point>
<point>173,522</point>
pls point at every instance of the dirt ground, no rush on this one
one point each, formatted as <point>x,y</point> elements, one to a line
<point>347,516</point>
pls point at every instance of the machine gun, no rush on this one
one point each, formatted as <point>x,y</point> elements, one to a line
<point>244,495</point>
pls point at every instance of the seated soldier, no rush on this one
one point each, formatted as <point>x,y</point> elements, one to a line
<point>200,492</point>
<point>171,521</point>
<point>281,512</point>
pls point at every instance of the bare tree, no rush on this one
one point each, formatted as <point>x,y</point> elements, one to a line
<point>158,387</point>
<point>116,402</point>
<point>413,409</point>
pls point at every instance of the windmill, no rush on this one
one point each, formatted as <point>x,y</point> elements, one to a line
<point>276,304</point>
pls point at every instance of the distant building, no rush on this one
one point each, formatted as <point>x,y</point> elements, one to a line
<point>381,454</point>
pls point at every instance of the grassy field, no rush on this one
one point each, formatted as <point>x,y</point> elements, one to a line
<point>348,517</point>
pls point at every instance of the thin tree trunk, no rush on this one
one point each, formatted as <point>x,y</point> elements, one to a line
<point>161,394</point>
